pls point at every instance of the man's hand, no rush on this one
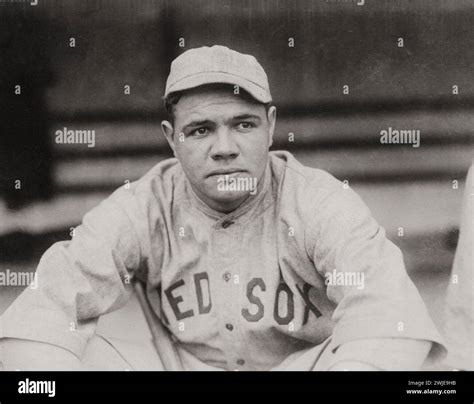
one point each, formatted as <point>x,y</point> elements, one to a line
<point>21,354</point>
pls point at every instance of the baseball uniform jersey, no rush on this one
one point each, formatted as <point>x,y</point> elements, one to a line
<point>301,261</point>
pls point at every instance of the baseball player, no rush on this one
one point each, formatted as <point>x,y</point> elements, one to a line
<point>250,260</point>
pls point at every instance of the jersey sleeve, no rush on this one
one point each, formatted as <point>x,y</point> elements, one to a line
<point>77,281</point>
<point>399,354</point>
<point>365,276</point>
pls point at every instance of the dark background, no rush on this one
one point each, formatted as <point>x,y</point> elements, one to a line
<point>336,43</point>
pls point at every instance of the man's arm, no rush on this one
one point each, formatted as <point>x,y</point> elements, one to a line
<point>77,281</point>
<point>31,355</point>
<point>382,317</point>
<point>381,354</point>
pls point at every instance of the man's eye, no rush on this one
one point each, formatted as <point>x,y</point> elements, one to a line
<point>200,131</point>
<point>245,125</point>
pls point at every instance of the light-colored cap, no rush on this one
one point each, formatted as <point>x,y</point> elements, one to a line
<point>218,64</point>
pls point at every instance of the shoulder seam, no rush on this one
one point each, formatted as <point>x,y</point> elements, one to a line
<point>137,239</point>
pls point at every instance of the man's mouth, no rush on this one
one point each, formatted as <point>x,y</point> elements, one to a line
<point>228,171</point>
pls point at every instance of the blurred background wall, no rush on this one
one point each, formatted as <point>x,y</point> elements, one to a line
<point>426,84</point>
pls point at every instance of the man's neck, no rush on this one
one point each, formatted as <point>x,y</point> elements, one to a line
<point>221,207</point>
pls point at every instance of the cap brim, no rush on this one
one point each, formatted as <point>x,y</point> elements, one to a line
<point>257,92</point>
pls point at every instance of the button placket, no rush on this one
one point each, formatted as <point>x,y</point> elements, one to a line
<point>227,254</point>
<point>227,242</point>
<point>226,223</point>
<point>233,328</point>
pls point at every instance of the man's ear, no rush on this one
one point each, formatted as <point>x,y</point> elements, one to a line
<point>271,115</point>
<point>167,129</point>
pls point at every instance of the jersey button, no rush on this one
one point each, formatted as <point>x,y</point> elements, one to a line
<point>240,362</point>
<point>227,223</point>
<point>229,326</point>
<point>227,276</point>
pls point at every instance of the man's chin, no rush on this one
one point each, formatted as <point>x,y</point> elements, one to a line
<point>229,196</point>
<point>226,201</point>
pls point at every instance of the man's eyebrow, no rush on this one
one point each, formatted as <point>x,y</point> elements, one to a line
<point>246,116</point>
<point>203,122</point>
<point>197,123</point>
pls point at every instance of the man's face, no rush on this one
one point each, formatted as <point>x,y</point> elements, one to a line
<point>219,138</point>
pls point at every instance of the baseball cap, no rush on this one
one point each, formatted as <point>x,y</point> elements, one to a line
<point>218,64</point>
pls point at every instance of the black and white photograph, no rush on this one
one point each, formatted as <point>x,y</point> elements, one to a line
<point>237,185</point>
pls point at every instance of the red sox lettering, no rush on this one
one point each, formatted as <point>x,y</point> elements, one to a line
<point>179,295</point>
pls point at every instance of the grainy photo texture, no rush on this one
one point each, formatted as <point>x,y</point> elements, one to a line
<point>236,185</point>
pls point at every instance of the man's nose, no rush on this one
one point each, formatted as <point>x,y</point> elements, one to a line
<point>224,145</point>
